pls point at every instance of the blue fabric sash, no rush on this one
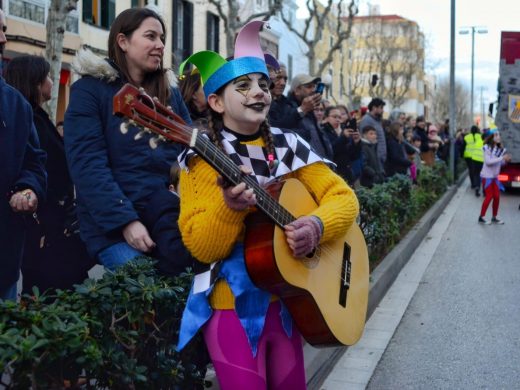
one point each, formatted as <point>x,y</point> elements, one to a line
<point>251,303</point>
<point>499,184</point>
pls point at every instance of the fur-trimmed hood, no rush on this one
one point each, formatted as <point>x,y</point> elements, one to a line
<point>86,63</point>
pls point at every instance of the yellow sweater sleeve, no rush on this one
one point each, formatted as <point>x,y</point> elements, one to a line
<point>338,204</point>
<point>208,226</point>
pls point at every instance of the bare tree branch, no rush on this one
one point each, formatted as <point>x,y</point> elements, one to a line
<point>313,27</point>
<point>397,54</point>
<point>230,14</point>
<point>441,102</point>
<point>273,7</point>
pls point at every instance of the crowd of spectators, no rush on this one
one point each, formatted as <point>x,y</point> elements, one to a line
<point>351,139</point>
<point>362,145</point>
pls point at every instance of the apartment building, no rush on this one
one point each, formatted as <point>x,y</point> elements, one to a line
<point>386,59</point>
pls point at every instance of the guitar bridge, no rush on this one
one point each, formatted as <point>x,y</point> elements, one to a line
<point>346,268</point>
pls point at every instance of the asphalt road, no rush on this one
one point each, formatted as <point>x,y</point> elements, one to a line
<point>461,329</point>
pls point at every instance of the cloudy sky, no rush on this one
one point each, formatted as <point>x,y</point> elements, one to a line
<point>433,18</point>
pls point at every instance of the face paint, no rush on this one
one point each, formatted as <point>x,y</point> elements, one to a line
<point>245,110</point>
<point>244,84</point>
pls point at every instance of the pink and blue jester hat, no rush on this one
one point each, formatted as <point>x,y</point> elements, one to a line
<point>215,71</point>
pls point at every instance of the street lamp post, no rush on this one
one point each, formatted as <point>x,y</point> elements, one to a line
<point>466,30</point>
<point>453,118</point>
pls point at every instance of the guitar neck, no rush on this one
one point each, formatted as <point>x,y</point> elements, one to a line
<point>215,157</point>
<point>149,114</point>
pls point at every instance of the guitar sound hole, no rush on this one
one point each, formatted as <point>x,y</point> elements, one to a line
<point>312,259</point>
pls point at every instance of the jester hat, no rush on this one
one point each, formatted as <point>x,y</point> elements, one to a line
<point>215,71</point>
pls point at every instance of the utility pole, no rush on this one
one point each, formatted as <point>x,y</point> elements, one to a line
<point>453,120</point>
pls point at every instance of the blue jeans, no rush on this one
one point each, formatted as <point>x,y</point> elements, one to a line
<point>117,255</point>
<point>9,294</point>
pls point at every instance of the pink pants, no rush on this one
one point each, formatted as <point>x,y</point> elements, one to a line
<point>277,365</point>
<point>492,192</point>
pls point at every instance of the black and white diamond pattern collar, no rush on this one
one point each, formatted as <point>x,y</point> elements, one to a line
<point>292,153</point>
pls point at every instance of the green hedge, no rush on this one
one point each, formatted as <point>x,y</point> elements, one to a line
<point>115,333</point>
<point>388,209</point>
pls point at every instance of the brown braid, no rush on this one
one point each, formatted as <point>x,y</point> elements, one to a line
<point>215,124</point>
<point>269,141</point>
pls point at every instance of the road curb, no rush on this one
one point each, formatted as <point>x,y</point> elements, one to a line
<point>320,362</point>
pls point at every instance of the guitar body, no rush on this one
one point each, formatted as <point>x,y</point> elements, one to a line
<point>314,289</point>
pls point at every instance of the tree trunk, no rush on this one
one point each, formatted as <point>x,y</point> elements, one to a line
<point>56,19</point>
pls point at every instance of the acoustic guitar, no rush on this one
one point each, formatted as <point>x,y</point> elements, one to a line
<point>326,292</point>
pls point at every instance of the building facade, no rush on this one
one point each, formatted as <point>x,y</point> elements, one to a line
<point>385,58</point>
<point>88,26</point>
<point>191,26</point>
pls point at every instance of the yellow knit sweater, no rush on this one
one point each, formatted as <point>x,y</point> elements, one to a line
<point>210,229</point>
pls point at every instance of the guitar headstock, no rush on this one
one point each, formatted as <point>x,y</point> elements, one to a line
<point>150,115</point>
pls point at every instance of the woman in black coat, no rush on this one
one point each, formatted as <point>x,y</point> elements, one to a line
<point>54,255</point>
<point>396,160</point>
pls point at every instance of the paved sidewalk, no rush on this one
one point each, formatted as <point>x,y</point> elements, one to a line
<point>355,368</point>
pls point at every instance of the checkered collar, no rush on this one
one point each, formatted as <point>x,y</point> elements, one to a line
<point>292,153</point>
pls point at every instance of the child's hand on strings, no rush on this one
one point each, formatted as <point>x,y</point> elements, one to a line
<point>237,197</point>
<point>303,235</point>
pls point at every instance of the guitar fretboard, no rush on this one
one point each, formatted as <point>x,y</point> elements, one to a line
<point>229,170</point>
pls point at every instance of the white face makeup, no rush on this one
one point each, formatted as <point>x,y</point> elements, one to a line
<point>244,103</point>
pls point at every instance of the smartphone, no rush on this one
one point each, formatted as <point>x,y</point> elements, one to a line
<point>352,124</point>
<point>319,88</point>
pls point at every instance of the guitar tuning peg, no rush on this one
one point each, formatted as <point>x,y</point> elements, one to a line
<point>139,135</point>
<point>131,122</point>
<point>154,142</point>
<point>123,128</point>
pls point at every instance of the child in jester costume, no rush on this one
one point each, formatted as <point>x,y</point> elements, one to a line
<point>248,331</point>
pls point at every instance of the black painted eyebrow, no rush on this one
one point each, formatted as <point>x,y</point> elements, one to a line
<point>241,78</point>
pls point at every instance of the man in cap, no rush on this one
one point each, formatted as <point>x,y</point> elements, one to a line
<point>296,112</point>
<point>22,177</point>
<point>374,118</point>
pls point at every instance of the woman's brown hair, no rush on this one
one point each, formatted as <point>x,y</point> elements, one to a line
<point>394,128</point>
<point>155,83</point>
<point>26,73</point>
<point>189,84</point>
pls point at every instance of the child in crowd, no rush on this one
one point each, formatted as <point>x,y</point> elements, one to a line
<point>373,172</point>
<point>416,157</point>
<point>319,113</point>
<point>494,157</point>
<point>249,333</point>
